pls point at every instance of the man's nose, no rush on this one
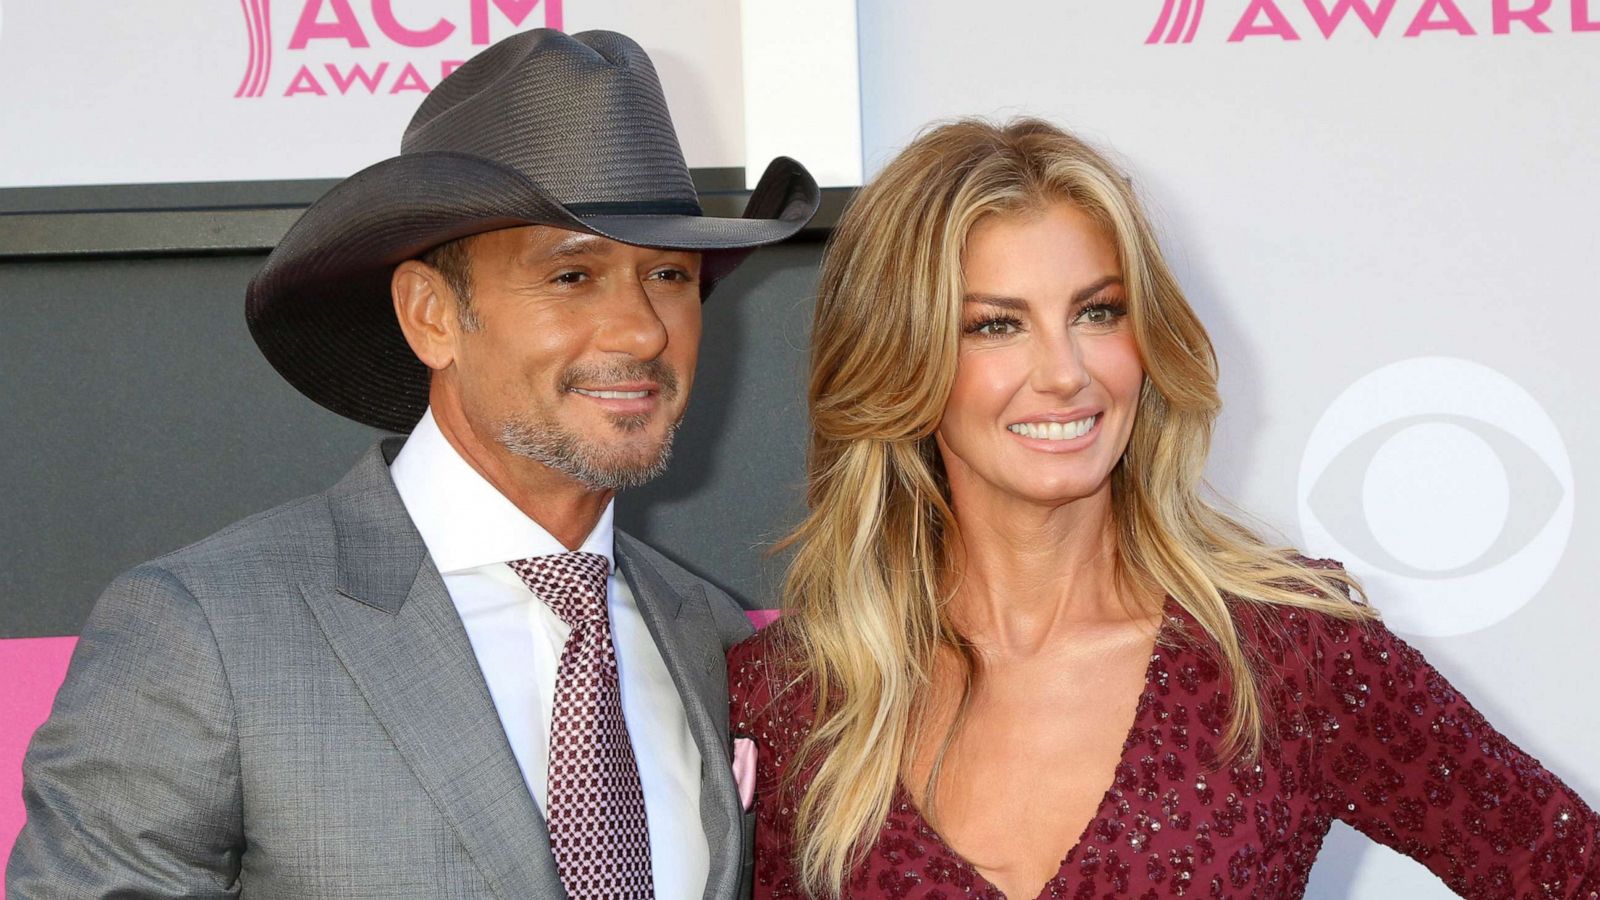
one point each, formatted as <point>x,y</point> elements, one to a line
<point>631,324</point>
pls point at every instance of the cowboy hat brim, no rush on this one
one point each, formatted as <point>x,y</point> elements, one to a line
<point>320,308</point>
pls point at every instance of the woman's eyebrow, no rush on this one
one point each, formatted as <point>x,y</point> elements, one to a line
<point>1020,305</point>
<point>1012,303</point>
<point>1099,285</point>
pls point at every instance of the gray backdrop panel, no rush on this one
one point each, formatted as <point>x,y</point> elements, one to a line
<point>139,417</point>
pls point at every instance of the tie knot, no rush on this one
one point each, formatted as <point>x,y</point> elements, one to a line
<point>573,585</point>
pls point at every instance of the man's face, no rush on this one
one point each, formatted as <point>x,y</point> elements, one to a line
<point>576,352</point>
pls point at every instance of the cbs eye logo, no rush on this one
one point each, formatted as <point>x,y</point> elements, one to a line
<point>1445,486</point>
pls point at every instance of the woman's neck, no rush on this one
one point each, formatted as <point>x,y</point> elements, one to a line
<point>1029,574</point>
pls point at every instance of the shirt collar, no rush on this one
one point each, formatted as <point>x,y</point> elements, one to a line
<point>464,521</point>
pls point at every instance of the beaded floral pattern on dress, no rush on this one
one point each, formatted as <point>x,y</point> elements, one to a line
<point>1360,729</point>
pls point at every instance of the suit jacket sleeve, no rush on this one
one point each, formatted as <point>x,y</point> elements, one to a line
<point>132,786</point>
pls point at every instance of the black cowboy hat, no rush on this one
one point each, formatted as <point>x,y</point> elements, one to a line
<point>541,128</point>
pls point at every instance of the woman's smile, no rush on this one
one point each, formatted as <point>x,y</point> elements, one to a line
<point>1057,433</point>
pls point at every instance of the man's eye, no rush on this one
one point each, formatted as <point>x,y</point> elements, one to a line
<point>570,277</point>
<point>672,275</point>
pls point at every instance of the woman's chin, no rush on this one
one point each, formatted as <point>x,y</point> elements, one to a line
<point>1051,490</point>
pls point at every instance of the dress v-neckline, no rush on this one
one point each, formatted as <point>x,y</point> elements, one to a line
<point>1170,614</point>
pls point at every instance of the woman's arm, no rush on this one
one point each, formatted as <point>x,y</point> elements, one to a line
<point>1407,761</point>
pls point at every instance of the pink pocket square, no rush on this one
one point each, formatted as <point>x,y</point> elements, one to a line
<point>744,770</point>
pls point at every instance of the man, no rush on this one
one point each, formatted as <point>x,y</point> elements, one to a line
<point>445,676</point>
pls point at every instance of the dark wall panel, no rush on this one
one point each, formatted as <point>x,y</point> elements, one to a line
<point>137,416</point>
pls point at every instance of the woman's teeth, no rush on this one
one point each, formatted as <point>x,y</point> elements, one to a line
<point>1054,431</point>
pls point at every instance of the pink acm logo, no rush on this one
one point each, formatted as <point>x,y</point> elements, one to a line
<point>395,56</point>
<point>1179,20</point>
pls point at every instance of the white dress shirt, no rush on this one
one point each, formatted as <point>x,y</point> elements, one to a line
<point>472,531</point>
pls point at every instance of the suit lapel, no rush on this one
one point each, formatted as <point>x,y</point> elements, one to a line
<point>394,628</point>
<point>687,636</point>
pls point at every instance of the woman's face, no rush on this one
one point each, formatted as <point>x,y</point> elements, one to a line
<point>1048,376</point>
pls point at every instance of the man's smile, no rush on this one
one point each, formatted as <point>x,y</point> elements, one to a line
<point>634,398</point>
<point>612,394</point>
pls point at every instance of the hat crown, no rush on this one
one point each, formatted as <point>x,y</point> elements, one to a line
<point>581,115</point>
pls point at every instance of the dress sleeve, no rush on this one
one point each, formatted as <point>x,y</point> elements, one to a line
<point>754,715</point>
<point>1408,762</point>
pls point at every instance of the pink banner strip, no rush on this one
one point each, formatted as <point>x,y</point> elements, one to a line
<point>31,670</point>
<point>761,618</point>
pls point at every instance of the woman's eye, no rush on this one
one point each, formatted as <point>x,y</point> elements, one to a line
<point>1100,314</point>
<point>993,327</point>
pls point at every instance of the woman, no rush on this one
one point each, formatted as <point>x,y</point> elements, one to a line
<point>1022,656</point>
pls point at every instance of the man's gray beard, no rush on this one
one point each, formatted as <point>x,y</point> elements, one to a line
<point>595,465</point>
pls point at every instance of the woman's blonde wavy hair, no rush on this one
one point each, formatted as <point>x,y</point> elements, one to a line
<point>868,586</point>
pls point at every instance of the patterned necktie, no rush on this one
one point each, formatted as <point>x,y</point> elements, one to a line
<point>596,805</point>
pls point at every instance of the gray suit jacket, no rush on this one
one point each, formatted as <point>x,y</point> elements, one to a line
<point>291,708</point>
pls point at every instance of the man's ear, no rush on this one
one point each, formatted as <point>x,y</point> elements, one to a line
<point>426,309</point>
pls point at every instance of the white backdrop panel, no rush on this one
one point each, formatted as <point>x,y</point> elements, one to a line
<point>105,93</point>
<point>1391,238</point>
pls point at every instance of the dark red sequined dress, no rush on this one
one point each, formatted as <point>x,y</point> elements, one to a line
<point>1362,730</point>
